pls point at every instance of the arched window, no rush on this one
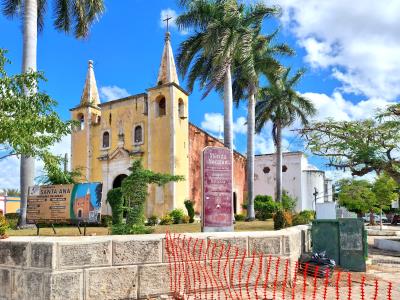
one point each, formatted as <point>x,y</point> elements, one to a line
<point>138,134</point>
<point>162,107</point>
<point>80,214</point>
<point>181,109</point>
<point>81,119</point>
<point>106,139</point>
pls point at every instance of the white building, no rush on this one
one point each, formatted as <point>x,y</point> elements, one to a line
<point>300,179</point>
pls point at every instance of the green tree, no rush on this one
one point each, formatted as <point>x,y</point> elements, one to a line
<point>246,77</point>
<point>12,192</point>
<point>385,189</point>
<point>69,16</point>
<point>56,174</point>
<point>357,196</point>
<point>362,147</point>
<point>135,187</point>
<point>221,34</point>
<point>282,105</point>
<point>23,133</point>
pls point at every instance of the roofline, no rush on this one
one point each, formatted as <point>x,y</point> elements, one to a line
<point>205,132</point>
<point>84,106</point>
<point>131,97</point>
<point>288,152</point>
<point>169,84</point>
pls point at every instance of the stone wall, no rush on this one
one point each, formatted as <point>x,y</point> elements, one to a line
<point>114,267</point>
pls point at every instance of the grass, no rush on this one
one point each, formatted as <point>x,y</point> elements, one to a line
<point>178,228</point>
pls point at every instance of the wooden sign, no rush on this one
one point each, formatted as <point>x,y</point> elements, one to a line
<point>69,203</point>
<point>217,189</point>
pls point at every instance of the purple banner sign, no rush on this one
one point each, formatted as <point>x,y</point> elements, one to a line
<point>217,189</point>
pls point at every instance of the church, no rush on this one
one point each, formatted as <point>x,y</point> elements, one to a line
<point>153,126</point>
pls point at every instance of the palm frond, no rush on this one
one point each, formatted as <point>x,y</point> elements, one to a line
<point>12,8</point>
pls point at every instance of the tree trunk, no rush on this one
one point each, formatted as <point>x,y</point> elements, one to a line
<point>228,121</point>
<point>27,168</point>
<point>228,114</point>
<point>278,162</point>
<point>371,218</point>
<point>250,156</point>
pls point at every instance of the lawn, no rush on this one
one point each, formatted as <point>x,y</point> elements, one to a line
<point>179,228</point>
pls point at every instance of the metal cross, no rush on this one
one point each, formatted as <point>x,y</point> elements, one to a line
<point>167,20</point>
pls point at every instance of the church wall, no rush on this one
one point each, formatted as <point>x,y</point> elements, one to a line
<point>198,140</point>
<point>181,155</point>
<point>160,199</point>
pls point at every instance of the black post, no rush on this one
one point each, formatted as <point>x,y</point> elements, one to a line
<point>54,230</point>
<point>37,229</point>
<point>79,228</point>
<point>84,230</point>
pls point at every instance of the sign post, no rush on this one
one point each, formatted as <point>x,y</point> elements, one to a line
<point>217,189</point>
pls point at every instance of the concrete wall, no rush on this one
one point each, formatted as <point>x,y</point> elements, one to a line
<point>114,267</point>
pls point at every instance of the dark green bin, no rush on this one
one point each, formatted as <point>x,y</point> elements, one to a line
<point>344,240</point>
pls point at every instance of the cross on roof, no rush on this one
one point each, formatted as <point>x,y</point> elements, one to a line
<point>167,20</point>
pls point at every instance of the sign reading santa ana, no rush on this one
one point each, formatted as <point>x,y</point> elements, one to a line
<point>64,203</point>
<point>217,189</point>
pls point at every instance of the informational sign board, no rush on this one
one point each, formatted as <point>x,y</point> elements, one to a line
<point>217,189</point>
<point>71,203</point>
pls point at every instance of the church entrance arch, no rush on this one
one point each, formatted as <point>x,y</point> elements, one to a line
<point>118,180</point>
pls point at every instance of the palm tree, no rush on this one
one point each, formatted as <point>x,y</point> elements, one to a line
<point>69,15</point>
<point>282,105</point>
<point>246,86</point>
<point>219,36</point>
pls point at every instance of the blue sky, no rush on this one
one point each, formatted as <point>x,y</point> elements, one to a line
<point>352,59</point>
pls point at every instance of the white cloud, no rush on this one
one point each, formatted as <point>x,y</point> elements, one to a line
<point>340,109</point>
<point>10,167</point>
<point>336,175</point>
<point>169,13</point>
<point>358,41</point>
<point>213,122</point>
<point>112,92</point>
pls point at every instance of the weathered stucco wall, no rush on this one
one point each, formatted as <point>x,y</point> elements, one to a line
<point>198,140</point>
<point>114,267</point>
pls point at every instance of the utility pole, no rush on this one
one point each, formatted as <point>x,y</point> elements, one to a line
<point>315,194</point>
<point>66,162</point>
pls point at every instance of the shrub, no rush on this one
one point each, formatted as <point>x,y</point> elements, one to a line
<point>304,217</point>
<point>288,203</point>
<point>114,197</point>
<point>152,221</point>
<point>166,220</point>
<point>240,217</point>
<point>12,220</point>
<point>190,210</point>
<point>106,221</point>
<point>282,219</point>
<point>185,219</point>
<point>3,225</point>
<point>265,207</point>
<point>177,215</point>
<point>131,229</point>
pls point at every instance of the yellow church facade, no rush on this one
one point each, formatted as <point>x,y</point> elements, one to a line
<point>151,126</point>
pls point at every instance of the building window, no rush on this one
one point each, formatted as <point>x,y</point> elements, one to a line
<point>106,139</point>
<point>80,214</point>
<point>162,107</point>
<point>284,168</point>
<point>181,109</point>
<point>266,170</point>
<point>81,119</point>
<point>109,118</point>
<point>138,134</point>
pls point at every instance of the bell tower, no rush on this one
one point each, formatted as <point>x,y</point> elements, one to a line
<point>86,114</point>
<point>168,135</point>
